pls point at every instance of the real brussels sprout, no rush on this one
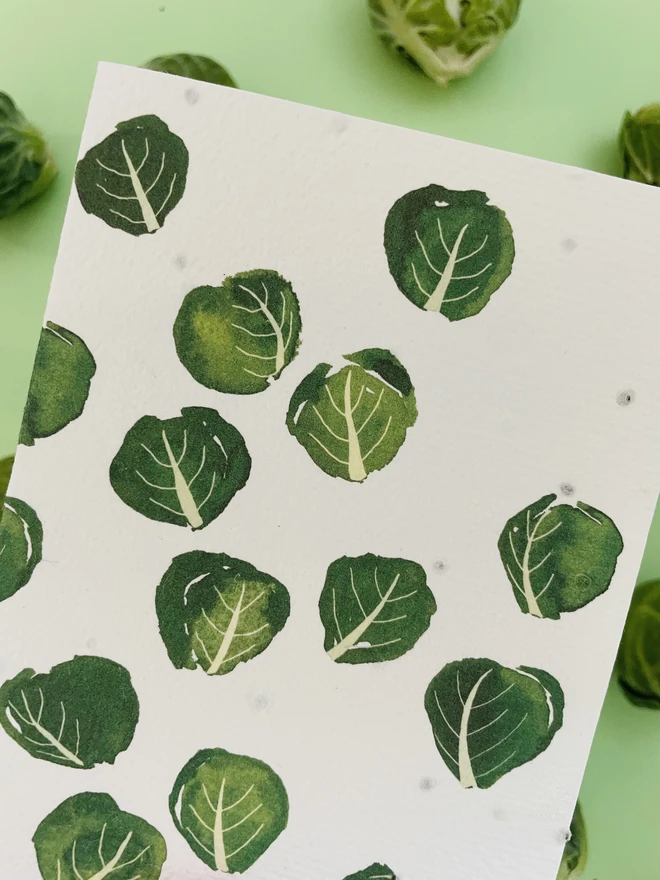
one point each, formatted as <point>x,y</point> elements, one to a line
<point>6,465</point>
<point>27,166</point>
<point>445,38</point>
<point>198,67</point>
<point>638,662</point>
<point>574,859</point>
<point>639,143</point>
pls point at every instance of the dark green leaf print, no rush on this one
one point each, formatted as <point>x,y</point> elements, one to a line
<point>558,557</point>
<point>81,713</point>
<point>374,608</point>
<point>230,808</point>
<point>488,719</point>
<point>216,612</point>
<point>59,387</point>
<point>89,838</point>
<point>135,177</point>
<point>21,537</point>
<point>373,872</point>
<point>448,250</point>
<point>239,337</point>
<point>182,471</point>
<point>353,420</point>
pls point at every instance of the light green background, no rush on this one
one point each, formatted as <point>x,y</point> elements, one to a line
<point>556,89</point>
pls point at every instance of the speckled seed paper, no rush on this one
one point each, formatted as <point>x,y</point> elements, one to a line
<point>337,465</point>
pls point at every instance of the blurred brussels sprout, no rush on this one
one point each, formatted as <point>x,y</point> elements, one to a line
<point>446,38</point>
<point>192,66</point>
<point>6,464</point>
<point>639,143</point>
<point>27,166</point>
<point>638,662</point>
<point>574,859</point>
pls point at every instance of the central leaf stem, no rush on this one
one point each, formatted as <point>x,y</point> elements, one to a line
<point>356,469</point>
<point>434,302</point>
<point>183,493</point>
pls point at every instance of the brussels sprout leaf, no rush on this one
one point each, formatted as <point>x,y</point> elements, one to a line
<point>21,537</point>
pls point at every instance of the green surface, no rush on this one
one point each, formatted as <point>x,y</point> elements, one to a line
<point>557,89</point>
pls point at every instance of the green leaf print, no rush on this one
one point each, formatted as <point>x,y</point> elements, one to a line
<point>558,557</point>
<point>488,719</point>
<point>81,713</point>
<point>353,421</point>
<point>59,387</point>
<point>182,471</point>
<point>448,250</point>
<point>87,837</point>
<point>239,337</point>
<point>21,538</point>
<point>373,872</point>
<point>230,808</point>
<point>216,612</point>
<point>374,608</point>
<point>135,177</point>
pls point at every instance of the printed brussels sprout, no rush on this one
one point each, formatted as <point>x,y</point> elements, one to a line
<point>198,67</point>
<point>638,661</point>
<point>239,337</point>
<point>27,165</point>
<point>445,38</point>
<point>574,859</point>
<point>558,557</point>
<point>135,177</point>
<point>353,420</point>
<point>229,808</point>
<point>373,872</point>
<point>182,471</point>
<point>374,608</point>
<point>488,719</point>
<point>59,387</point>
<point>21,538</point>
<point>216,612</point>
<point>448,250</point>
<point>88,836</point>
<point>81,713</point>
<point>639,145</point>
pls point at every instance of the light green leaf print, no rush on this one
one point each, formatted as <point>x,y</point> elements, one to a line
<point>182,471</point>
<point>373,872</point>
<point>87,837</point>
<point>81,713</point>
<point>239,337</point>
<point>21,537</point>
<point>230,808</point>
<point>135,177</point>
<point>216,612</point>
<point>353,421</point>
<point>488,719</point>
<point>374,608</point>
<point>558,557</point>
<point>59,387</point>
<point>448,250</point>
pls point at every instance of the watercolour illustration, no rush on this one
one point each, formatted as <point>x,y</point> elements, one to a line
<point>183,470</point>
<point>239,337</point>
<point>448,250</point>
<point>488,719</point>
<point>88,837</point>
<point>230,808</point>
<point>558,557</point>
<point>352,420</point>
<point>215,612</point>
<point>21,538</point>
<point>59,387</point>
<point>80,714</point>
<point>135,177</point>
<point>373,872</point>
<point>374,608</point>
